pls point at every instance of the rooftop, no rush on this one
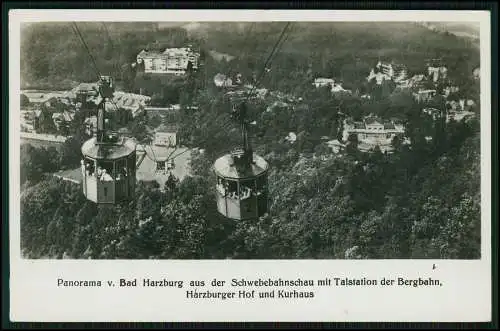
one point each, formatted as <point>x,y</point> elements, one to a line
<point>372,120</point>
<point>64,116</point>
<point>324,80</point>
<point>167,128</point>
<point>167,52</point>
<point>147,168</point>
<point>86,88</point>
<point>335,142</point>
<point>35,96</point>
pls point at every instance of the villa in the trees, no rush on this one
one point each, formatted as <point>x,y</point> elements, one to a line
<point>388,71</point>
<point>321,82</point>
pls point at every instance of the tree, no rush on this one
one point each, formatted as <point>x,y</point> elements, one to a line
<point>37,161</point>
<point>462,225</point>
<point>387,87</point>
<point>70,154</point>
<point>304,142</point>
<point>171,184</point>
<point>46,123</point>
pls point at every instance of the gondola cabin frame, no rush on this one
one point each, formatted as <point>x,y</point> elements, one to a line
<point>242,192</point>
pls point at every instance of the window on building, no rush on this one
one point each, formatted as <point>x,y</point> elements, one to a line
<point>105,192</point>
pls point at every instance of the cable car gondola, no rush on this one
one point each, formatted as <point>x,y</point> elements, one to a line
<point>241,188</point>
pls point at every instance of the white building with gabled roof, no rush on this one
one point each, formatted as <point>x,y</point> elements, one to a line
<point>170,61</point>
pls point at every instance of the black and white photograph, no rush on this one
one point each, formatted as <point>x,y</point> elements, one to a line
<point>250,140</point>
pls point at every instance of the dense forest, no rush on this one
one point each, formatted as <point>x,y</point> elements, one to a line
<point>422,201</point>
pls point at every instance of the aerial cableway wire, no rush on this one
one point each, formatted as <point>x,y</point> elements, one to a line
<point>115,64</point>
<point>117,68</point>
<point>226,123</point>
<point>154,158</point>
<point>96,68</point>
<point>79,34</point>
<point>269,60</point>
